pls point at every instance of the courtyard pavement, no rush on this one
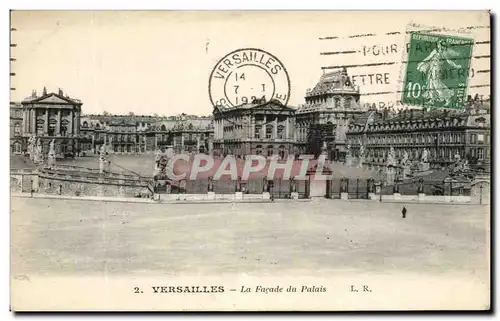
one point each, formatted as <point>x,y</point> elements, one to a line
<point>68,237</point>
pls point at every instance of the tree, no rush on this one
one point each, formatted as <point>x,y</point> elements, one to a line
<point>105,113</point>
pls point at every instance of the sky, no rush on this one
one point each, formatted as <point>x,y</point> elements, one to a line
<point>149,62</point>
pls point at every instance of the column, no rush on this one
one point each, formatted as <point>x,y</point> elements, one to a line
<point>263,128</point>
<point>24,122</point>
<point>252,126</point>
<point>58,125</point>
<point>182,142</point>
<point>70,129</point>
<point>275,134</point>
<point>46,122</point>
<point>156,141</point>
<point>221,129</point>
<point>33,121</point>
<point>286,127</point>
<point>77,123</point>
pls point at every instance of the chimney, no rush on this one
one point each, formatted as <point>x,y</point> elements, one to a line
<point>44,91</point>
<point>386,112</point>
<point>61,92</point>
<point>33,94</point>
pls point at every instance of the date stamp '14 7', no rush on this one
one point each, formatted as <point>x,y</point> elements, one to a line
<point>246,75</point>
<point>437,70</point>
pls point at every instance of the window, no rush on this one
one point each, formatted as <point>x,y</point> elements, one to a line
<point>281,131</point>
<point>347,102</point>
<point>258,150</point>
<point>336,101</point>
<point>269,131</point>
<point>480,138</point>
<point>39,129</point>
<point>480,153</point>
<point>270,150</point>
<point>16,147</point>
<point>17,129</point>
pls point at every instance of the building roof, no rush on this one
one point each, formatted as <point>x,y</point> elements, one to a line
<point>451,117</point>
<point>334,82</point>
<point>51,98</point>
<point>257,105</point>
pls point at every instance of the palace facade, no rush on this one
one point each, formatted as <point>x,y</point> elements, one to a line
<point>333,101</point>
<point>445,133</point>
<point>51,116</point>
<point>331,118</point>
<point>259,128</point>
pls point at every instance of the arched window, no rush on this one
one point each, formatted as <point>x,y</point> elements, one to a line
<point>16,147</point>
<point>281,132</point>
<point>258,150</point>
<point>281,151</point>
<point>163,128</point>
<point>270,150</point>
<point>269,131</point>
<point>347,102</point>
<point>17,129</point>
<point>336,101</point>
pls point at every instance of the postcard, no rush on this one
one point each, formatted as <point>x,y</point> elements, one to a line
<point>250,160</point>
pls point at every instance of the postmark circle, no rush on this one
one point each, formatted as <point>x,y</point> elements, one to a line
<point>247,75</point>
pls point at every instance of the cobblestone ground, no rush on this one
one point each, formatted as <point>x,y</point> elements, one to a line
<point>311,238</point>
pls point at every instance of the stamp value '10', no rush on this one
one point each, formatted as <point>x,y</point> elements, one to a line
<point>437,70</point>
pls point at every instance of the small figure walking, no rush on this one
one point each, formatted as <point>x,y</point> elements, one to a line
<point>403,211</point>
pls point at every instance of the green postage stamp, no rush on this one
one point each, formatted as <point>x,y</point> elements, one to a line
<point>437,70</point>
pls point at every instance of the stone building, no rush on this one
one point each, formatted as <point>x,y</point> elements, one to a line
<point>184,134</point>
<point>332,101</point>
<point>445,133</point>
<point>258,128</point>
<point>16,123</point>
<point>121,133</point>
<point>52,116</point>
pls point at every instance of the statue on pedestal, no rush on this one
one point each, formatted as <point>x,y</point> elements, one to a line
<point>406,165</point>
<point>404,161</point>
<point>157,161</point>
<point>391,157</point>
<point>361,157</point>
<point>348,156</point>
<point>32,146</point>
<point>38,151</point>
<point>52,154</point>
<point>102,159</point>
<point>424,161</point>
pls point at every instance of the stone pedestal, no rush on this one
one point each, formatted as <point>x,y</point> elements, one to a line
<point>266,196</point>
<point>421,196</point>
<point>238,195</point>
<point>211,195</point>
<point>424,167</point>
<point>372,196</point>
<point>348,161</point>
<point>294,195</point>
<point>396,196</point>
<point>406,171</point>
<point>390,175</point>
<point>51,161</point>
<point>361,160</point>
<point>102,166</point>
<point>344,196</point>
